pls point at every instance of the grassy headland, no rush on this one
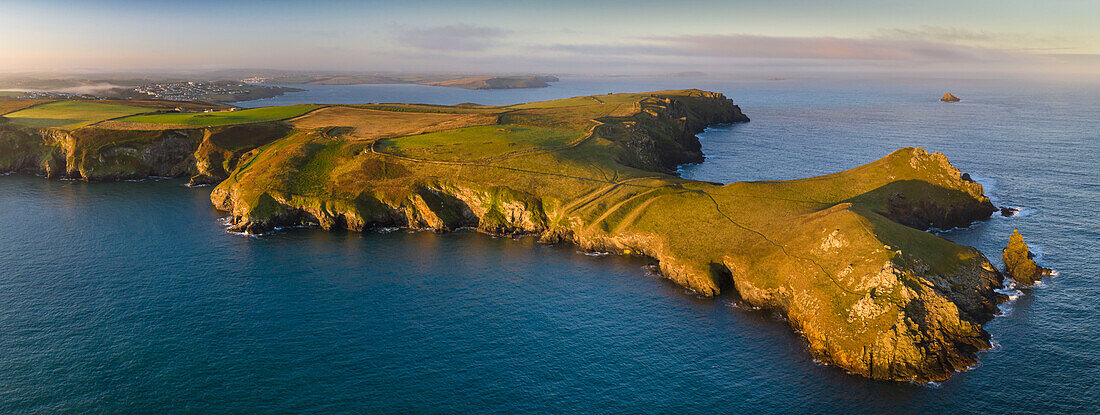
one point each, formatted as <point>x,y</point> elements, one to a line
<point>839,255</point>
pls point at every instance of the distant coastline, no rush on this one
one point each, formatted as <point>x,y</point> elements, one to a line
<point>464,81</point>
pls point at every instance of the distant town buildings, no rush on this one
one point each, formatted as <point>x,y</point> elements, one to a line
<point>191,91</point>
<point>256,80</point>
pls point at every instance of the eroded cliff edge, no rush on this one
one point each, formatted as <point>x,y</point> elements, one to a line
<point>205,154</point>
<point>839,255</point>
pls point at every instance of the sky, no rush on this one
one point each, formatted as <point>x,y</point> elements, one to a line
<point>930,37</point>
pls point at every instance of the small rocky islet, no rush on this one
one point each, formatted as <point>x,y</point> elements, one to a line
<point>1020,263</point>
<point>948,97</point>
<point>843,257</point>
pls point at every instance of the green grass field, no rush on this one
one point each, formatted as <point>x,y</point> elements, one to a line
<point>71,114</point>
<point>212,119</point>
<point>558,103</point>
<point>474,143</point>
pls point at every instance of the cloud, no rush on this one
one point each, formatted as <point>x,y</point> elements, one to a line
<point>462,37</point>
<point>979,38</point>
<point>782,47</point>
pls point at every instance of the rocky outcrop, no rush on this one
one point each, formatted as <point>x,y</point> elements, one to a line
<point>949,98</point>
<point>221,148</point>
<point>662,135</point>
<point>100,154</point>
<point>1019,262</point>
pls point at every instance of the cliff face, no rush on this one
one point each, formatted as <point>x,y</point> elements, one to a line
<point>661,136</point>
<point>99,154</point>
<point>1019,262</point>
<point>836,254</point>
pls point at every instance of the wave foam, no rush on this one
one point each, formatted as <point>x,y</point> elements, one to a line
<point>594,253</point>
<point>1021,212</point>
<point>1009,289</point>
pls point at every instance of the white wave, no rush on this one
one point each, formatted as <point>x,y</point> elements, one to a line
<point>196,185</point>
<point>594,253</point>
<point>938,231</point>
<point>1021,212</point>
<point>279,228</point>
<point>741,305</point>
<point>386,229</point>
<point>1008,289</point>
<point>977,364</point>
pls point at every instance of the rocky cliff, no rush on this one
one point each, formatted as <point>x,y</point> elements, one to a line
<point>1019,261</point>
<point>101,154</point>
<point>839,255</point>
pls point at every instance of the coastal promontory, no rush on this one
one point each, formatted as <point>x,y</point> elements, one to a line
<point>842,257</point>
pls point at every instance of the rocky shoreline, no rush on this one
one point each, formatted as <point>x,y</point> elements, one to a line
<point>841,256</point>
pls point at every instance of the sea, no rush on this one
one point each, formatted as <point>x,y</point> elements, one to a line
<point>131,297</point>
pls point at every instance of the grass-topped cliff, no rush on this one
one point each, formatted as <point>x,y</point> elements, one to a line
<point>132,139</point>
<point>838,255</point>
<point>832,253</point>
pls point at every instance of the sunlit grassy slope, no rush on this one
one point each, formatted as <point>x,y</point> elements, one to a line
<point>218,118</point>
<point>71,114</point>
<point>473,143</point>
<point>360,123</point>
<point>13,105</point>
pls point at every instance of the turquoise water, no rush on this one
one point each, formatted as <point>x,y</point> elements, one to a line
<point>130,297</point>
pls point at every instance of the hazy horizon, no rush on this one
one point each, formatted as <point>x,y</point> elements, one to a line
<point>783,38</point>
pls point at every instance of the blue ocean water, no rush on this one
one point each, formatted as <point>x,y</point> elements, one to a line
<point>130,297</point>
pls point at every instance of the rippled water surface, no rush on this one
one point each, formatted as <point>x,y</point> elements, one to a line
<point>130,297</point>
